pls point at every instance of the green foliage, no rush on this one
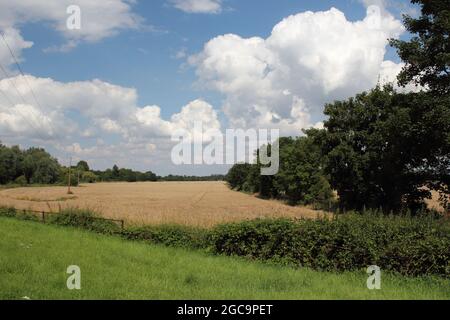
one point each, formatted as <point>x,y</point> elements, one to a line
<point>169,235</point>
<point>83,166</point>
<point>382,147</point>
<point>427,53</point>
<point>89,177</point>
<point>10,163</point>
<point>122,174</point>
<point>31,166</point>
<point>237,176</point>
<point>300,179</point>
<point>18,214</point>
<point>85,219</point>
<point>8,212</point>
<point>171,177</point>
<point>118,269</point>
<point>40,166</point>
<point>64,176</point>
<point>21,181</point>
<point>410,246</point>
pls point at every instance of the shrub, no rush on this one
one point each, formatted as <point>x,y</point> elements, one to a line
<point>411,246</point>
<point>7,212</point>
<point>83,218</point>
<point>21,181</point>
<point>169,235</point>
<point>18,214</point>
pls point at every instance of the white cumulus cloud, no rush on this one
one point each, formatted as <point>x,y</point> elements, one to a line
<point>309,59</point>
<point>80,117</point>
<point>99,19</point>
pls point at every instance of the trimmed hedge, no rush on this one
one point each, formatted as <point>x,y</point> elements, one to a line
<point>412,246</point>
<point>85,219</point>
<point>170,235</point>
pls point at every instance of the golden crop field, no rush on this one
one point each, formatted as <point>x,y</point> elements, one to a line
<point>188,203</point>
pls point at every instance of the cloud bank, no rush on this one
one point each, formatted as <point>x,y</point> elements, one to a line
<point>309,59</point>
<point>282,81</point>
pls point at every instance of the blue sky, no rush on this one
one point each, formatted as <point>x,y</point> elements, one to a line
<point>155,58</point>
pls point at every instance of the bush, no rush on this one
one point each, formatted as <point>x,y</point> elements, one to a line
<point>83,218</point>
<point>173,236</point>
<point>18,214</point>
<point>410,246</point>
<point>21,181</point>
<point>7,212</point>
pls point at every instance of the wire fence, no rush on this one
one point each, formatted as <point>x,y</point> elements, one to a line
<point>44,214</point>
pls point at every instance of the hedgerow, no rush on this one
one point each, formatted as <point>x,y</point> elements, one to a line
<point>412,246</point>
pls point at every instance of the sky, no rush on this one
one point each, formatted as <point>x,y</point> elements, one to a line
<point>115,90</point>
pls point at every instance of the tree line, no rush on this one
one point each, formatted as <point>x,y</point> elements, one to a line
<point>33,165</point>
<point>381,149</point>
<point>37,166</point>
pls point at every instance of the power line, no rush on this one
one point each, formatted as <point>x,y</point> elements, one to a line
<point>6,97</point>
<point>21,114</point>
<point>20,70</point>
<point>31,90</point>
<point>9,78</point>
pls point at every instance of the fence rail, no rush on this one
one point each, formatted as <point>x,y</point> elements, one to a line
<point>43,215</point>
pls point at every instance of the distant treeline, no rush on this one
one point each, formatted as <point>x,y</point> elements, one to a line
<point>37,166</point>
<point>128,175</point>
<point>122,174</point>
<point>214,177</point>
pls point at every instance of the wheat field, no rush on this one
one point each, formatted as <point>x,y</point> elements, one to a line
<point>202,204</point>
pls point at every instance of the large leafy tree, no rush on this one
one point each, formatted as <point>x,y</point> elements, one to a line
<point>383,147</point>
<point>237,176</point>
<point>301,178</point>
<point>83,166</point>
<point>427,53</point>
<point>9,164</point>
<point>40,167</point>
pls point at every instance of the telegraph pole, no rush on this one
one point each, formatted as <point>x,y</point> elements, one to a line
<point>70,173</point>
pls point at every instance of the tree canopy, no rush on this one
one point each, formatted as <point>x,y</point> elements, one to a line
<point>300,179</point>
<point>383,147</point>
<point>427,53</point>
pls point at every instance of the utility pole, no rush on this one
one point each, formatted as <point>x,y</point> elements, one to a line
<point>70,173</point>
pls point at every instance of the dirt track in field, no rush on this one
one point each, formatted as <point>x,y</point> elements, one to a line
<point>188,203</point>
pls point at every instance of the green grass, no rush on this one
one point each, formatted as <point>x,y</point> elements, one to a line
<point>34,258</point>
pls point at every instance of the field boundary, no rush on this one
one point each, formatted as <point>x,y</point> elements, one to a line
<point>43,215</point>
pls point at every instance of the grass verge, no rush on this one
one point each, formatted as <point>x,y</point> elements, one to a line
<point>35,258</point>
